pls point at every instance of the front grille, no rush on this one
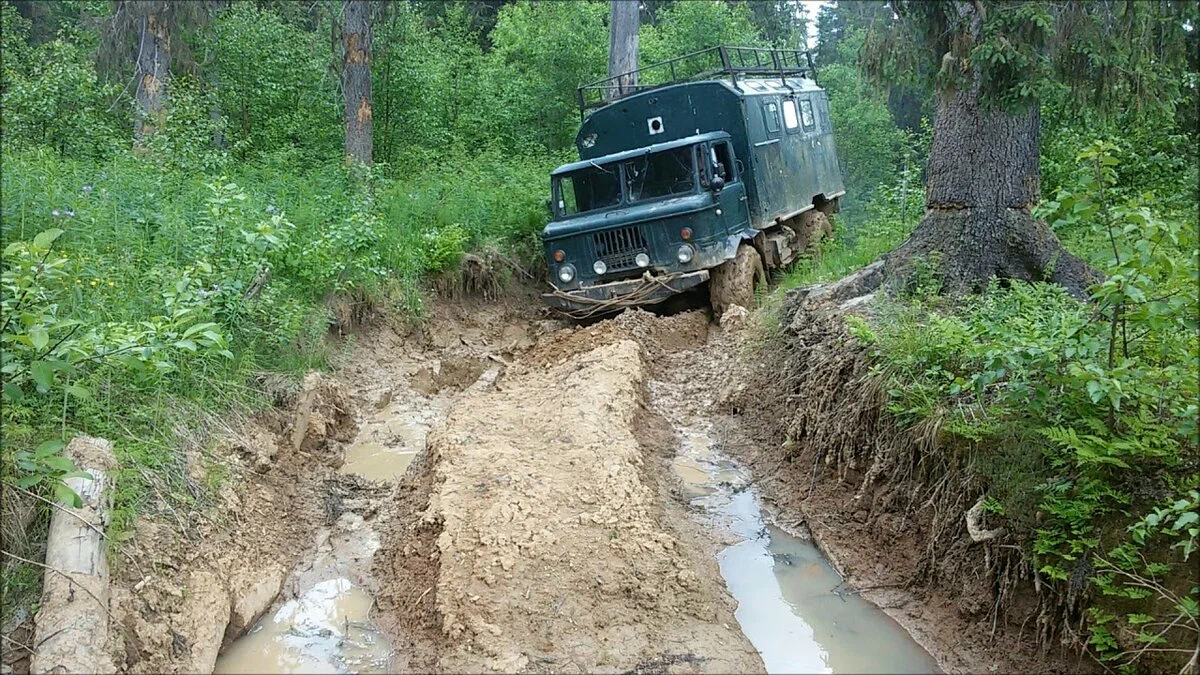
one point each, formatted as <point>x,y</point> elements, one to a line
<point>617,248</point>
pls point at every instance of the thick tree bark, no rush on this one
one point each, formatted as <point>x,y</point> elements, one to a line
<point>623,46</point>
<point>152,61</point>
<point>982,182</point>
<point>356,79</point>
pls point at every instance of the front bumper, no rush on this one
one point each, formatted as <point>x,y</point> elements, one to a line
<point>591,301</point>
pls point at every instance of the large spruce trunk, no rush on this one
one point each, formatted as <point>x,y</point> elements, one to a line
<point>982,182</point>
<point>356,79</point>
<point>152,61</point>
<point>624,23</point>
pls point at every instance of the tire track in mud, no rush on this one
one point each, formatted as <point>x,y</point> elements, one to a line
<point>538,531</point>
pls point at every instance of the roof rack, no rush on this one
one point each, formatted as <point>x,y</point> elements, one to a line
<point>706,64</point>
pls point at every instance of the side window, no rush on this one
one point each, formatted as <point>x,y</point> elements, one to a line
<point>771,115</point>
<point>566,196</point>
<point>789,114</point>
<point>721,157</point>
<point>806,115</point>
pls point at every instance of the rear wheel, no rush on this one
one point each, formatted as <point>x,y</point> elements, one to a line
<point>733,282</point>
<point>815,225</point>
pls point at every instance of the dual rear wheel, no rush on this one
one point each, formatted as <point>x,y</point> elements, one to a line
<point>734,282</point>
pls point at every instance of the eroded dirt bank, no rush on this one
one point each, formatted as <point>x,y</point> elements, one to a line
<point>886,505</point>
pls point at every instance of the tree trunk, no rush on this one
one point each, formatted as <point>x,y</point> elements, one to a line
<point>623,47</point>
<point>356,79</point>
<point>152,61</point>
<point>983,180</point>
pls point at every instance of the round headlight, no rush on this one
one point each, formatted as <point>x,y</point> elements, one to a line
<point>685,254</point>
<point>566,273</point>
<point>642,260</point>
<point>599,267</point>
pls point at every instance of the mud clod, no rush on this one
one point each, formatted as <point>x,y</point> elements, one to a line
<point>324,419</point>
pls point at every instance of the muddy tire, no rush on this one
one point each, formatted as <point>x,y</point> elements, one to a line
<point>814,226</point>
<point>733,282</point>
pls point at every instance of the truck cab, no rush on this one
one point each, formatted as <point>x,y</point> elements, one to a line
<point>697,180</point>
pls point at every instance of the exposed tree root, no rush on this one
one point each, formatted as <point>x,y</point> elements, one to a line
<point>975,524</point>
<point>969,246</point>
<point>480,275</point>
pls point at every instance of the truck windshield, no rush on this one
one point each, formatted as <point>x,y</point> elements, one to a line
<point>669,172</point>
<point>588,189</point>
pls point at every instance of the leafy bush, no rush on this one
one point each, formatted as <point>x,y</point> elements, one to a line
<point>50,94</point>
<point>272,84</point>
<point>1094,406</point>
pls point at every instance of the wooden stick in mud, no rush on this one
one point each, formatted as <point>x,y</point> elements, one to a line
<point>71,626</point>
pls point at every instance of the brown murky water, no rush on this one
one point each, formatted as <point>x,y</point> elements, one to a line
<point>388,440</point>
<point>794,609</point>
<point>792,605</point>
<point>375,460</point>
<point>325,630</point>
<point>791,602</point>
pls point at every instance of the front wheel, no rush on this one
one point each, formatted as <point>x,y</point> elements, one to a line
<point>733,282</point>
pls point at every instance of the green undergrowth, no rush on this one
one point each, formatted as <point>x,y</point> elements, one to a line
<point>143,304</point>
<point>859,240</point>
<point>1080,417</point>
<point>862,234</point>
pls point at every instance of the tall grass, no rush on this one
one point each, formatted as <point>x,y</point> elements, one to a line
<point>138,235</point>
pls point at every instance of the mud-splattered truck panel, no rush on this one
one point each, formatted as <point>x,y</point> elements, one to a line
<point>675,177</point>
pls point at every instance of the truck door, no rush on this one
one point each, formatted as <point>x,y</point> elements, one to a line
<point>717,159</point>
<point>828,174</point>
<point>768,162</point>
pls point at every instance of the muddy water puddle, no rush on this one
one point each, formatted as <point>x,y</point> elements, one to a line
<point>325,630</point>
<point>389,439</point>
<point>377,461</point>
<point>792,605</point>
<point>327,627</point>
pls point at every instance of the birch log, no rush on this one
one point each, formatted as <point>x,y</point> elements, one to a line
<point>71,626</point>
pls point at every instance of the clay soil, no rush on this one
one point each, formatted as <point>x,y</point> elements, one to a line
<point>541,534</point>
<point>539,530</point>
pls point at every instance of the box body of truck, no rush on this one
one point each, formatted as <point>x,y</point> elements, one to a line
<point>673,178</point>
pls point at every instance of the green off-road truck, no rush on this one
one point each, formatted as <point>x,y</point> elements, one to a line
<point>708,178</point>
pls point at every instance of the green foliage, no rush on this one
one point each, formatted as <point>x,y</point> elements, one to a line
<point>50,95</point>
<point>1094,405</point>
<point>691,26</point>
<point>185,141</point>
<point>272,83</point>
<point>541,52</point>
<point>1111,56</point>
<point>870,146</point>
<point>893,212</point>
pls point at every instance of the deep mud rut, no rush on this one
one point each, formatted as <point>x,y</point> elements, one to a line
<point>502,492</point>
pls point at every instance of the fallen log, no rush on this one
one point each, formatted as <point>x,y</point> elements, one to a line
<point>71,626</point>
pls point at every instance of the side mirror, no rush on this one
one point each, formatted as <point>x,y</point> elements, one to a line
<point>549,208</point>
<point>717,183</point>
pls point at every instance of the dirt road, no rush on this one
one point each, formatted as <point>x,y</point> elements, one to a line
<point>571,505</point>
<point>557,544</point>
